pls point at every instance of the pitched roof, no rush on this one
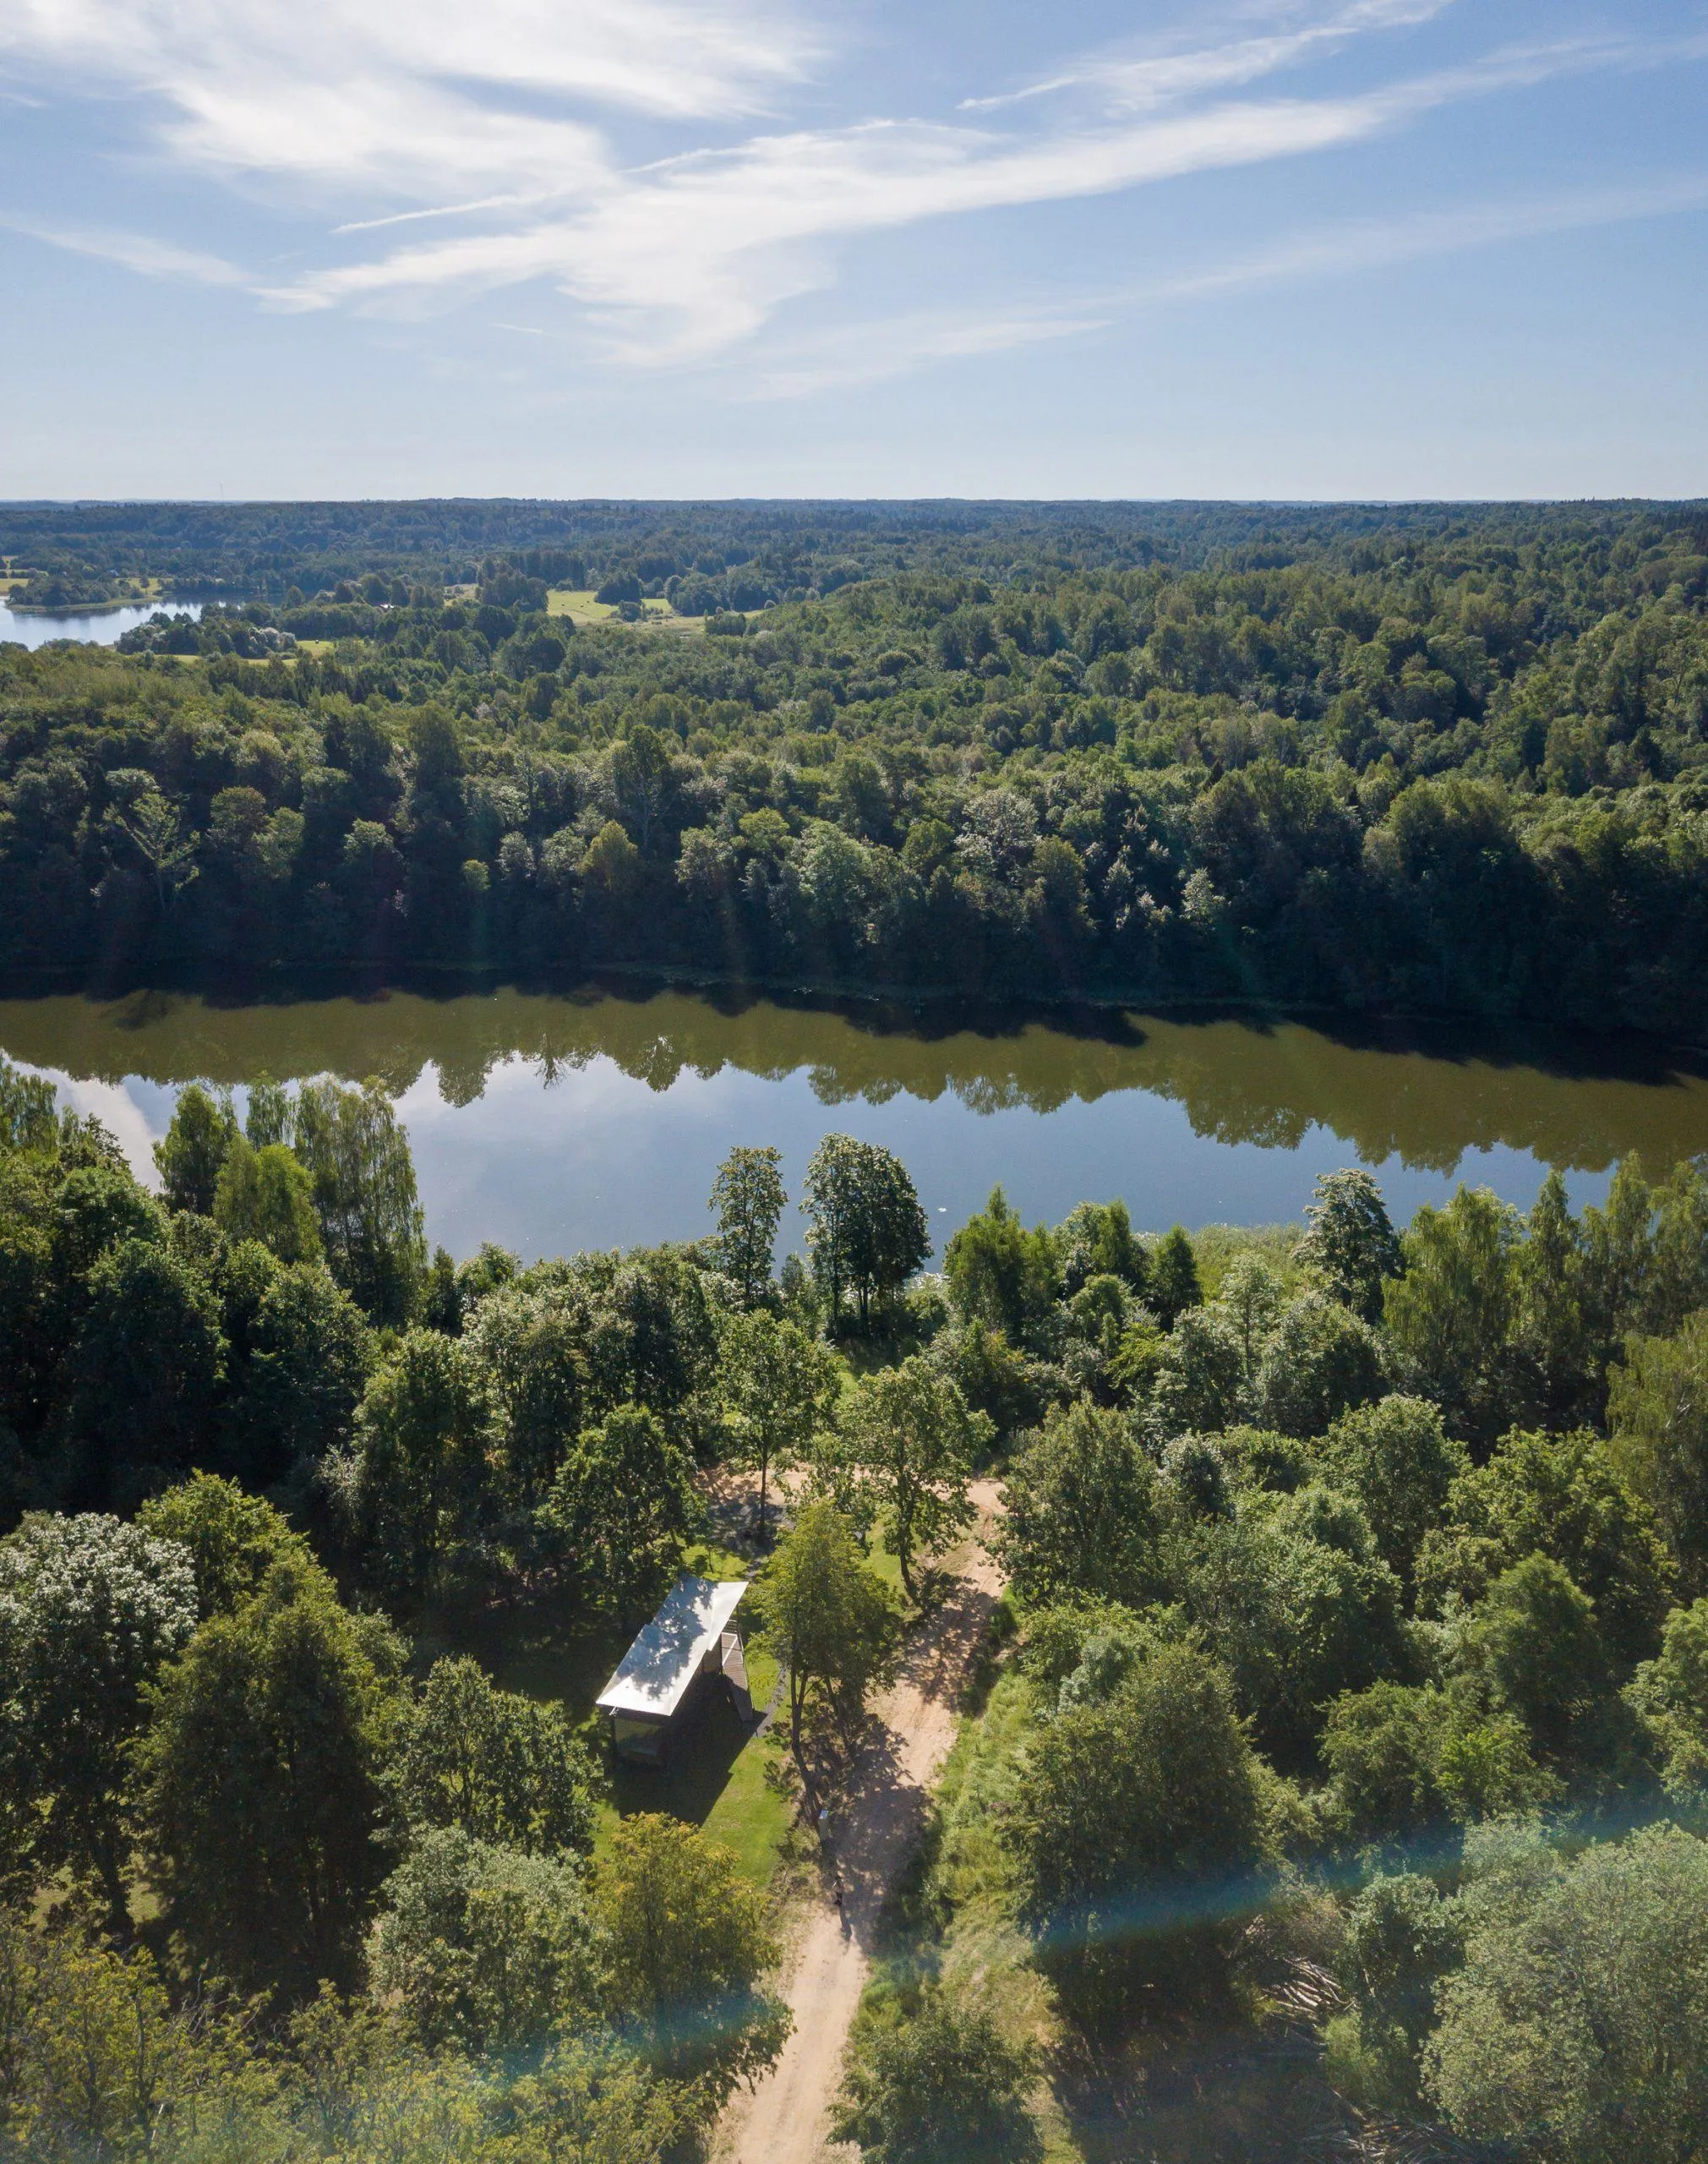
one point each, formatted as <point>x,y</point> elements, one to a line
<point>653,1676</point>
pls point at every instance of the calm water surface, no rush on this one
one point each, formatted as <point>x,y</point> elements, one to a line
<point>553,1123</point>
<point>89,627</point>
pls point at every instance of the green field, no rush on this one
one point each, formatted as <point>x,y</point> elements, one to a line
<point>583,610</point>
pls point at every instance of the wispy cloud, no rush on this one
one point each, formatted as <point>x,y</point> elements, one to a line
<point>413,100</point>
<point>686,259</point>
<point>410,116</point>
<point>1145,82</point>
<point>903,345</point>
<point>1359,245</point>
<point>139,251</point>
<point>888,350</point>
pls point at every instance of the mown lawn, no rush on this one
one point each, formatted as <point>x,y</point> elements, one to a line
<point>716,1777</point>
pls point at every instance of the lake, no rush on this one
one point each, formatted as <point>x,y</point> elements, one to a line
<point>89,626</point>
<point>550,1123</point>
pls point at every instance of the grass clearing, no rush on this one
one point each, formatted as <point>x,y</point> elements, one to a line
<point>715,1779</point>
<point>584,611</point>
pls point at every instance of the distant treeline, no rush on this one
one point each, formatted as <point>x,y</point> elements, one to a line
<point>1449,760</point>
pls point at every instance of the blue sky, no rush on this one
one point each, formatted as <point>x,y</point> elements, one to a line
<point>1277,248</point>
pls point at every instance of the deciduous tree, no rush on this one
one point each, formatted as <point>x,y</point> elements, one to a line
<point>748,1196</point>
<point>263,1784</point>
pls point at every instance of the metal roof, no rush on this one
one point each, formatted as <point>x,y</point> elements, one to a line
<point>653,1675</point>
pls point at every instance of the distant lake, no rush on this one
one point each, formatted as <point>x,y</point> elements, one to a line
<point>89,627</point>
<point>551,1123</point>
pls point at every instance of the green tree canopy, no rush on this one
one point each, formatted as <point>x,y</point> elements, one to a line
<point>147,1365</point>
<point>622,1507</point>
<point>418,1483</point>
<point>233,1540</point>
<point>906,1445</point>
<point>91,1611</point>
<point>191,1153</point>
<point>1173,1285</point>
<point>263,1784</point>
<point>1351,1244</point>
<point>504,1769</point>
<point>1657,1407</point>
<point>1000,1274</point>
<point>482,1946</point>
<point>830,1622</point>
<point>1450,1314</point>
<point>310,1354</point>
<point>1398,1459</point>
<point>780,1390</point>
<point>866,1232</point>
<point>1578,2028</point>
<point>932,2082</point>
<point>1082,1514</point>
<point>267,1195</point>
<point>364,1195</point>
<point>749,1198</point>
<point>1136,1832</point>
<point>1559,1496</point>
<point>687,1944</point>
<point>1669,1694</point>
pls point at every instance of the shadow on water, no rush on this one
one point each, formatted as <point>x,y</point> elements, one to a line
<point>1423,1093</point>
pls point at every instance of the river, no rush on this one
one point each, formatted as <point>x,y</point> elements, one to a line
<point>550,1123</point>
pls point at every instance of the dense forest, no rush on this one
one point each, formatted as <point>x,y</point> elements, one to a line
<point>1440,760</point>
<point>1334,1784</point>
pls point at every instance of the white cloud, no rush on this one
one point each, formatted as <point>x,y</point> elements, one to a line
<point>1156,79</point>
<point>1375,243</point>
<point>139,251</point>
<point>688,258</point>
<point>411,100</point>
<point>884,351</point>
<point>404,115</point>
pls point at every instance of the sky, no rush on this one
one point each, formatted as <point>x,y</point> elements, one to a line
<point>1272,248</point>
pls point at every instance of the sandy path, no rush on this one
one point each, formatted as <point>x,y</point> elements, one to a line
<point>783,2121</point>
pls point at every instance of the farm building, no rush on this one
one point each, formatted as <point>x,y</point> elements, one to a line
<point>691,1645</point>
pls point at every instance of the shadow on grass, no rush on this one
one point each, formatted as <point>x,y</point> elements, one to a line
<point>565,1656</point>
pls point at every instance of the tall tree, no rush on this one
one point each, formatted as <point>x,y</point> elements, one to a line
<point>1136,1831</point>
<point>866,1231</point>
<point>418,1482</point>
<point>146,1367</point>
<point>233,1540</point>
<point>830,1622</point>
<point>748,1196</point>
<point>999,1273</point>
<point>907,1445</point>
<point>1351,1244</point>
<point>1450,1314</point>
<point>267,1195</point>
<point>190,1154</point>
<point>1082,1514</point>
<point>780,1388</point>
<point>687,1941</point>
<point>263,1780</point>
<point>91,1610</point>
<point>482,1946</point>
<point>502,1767</point>
<point>1657,1407</point>
<point>935,2082</point>
<point>1577,2027</point>
<point>364,1194</point>
<point>622,1507</point>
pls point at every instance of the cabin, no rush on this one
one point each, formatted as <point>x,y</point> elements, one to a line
<point>690,1645</point>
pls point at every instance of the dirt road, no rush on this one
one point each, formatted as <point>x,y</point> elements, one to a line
<point>784,2121</point>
